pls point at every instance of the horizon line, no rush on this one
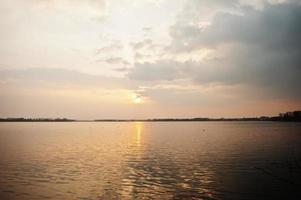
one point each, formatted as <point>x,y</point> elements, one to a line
<point>295,113</point>
<point>287,116</point>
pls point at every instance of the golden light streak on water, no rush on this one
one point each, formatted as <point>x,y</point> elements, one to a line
<point>138,127</point>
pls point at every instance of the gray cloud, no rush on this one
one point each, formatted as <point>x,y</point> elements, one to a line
<point>277,26</point>
<point>116,61</point>
<point>161,70</point>
<point>139,56</point>
<point>263,50</point>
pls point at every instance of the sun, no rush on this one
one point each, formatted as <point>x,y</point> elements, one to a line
<point>137,99</point>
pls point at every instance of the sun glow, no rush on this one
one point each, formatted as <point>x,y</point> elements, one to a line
<point>137,99</point>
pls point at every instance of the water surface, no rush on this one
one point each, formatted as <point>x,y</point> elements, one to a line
<point>152,160</point>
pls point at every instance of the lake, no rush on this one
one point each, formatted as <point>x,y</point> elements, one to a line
<point>150,160</point>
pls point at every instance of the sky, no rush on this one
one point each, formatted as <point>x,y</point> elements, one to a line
<point>103,59</point>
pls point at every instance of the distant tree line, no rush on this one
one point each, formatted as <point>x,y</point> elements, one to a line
<point>21,119</point>
<point>288,116</point>
<point>294,116</point>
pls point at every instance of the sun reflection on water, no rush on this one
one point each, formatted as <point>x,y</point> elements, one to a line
<point>138,160</point>
<point>138,128</point>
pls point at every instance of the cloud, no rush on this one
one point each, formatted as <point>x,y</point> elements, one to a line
<point>41,92</point>
<point>208,54</point>
<point>277,26</point>
<point>142,44</point>
<point>109,49</point>
<point>140,56</point>
<point>68,8</point>
<point>160,71</point>
<point>259,48</point>
<point>96,7</point>
<point>147,29</point>
<point>147,50</point>
<point>43,77</point>
<point>117,61</point>
<point>122,69</point>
